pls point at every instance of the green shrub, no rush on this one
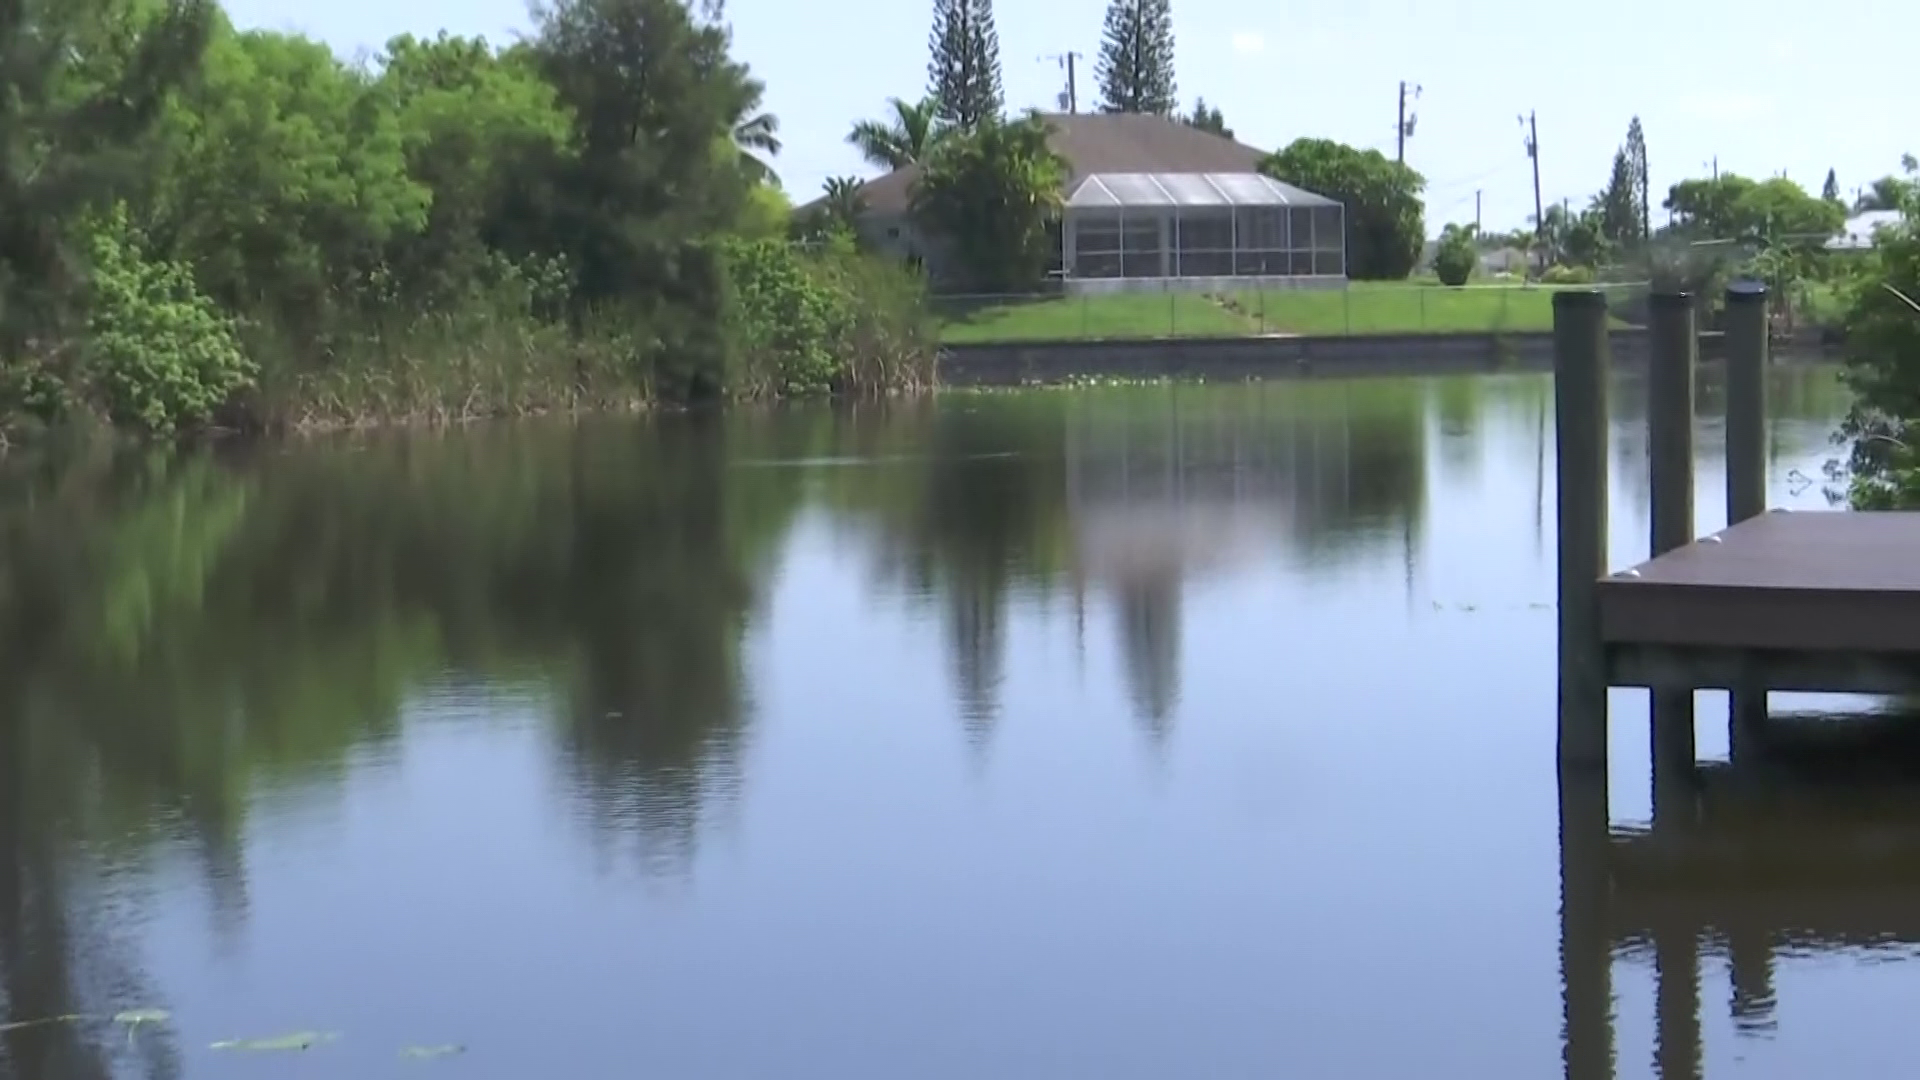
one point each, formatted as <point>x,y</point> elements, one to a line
<point>782,318</point>
<point>1456,258</point>
<point>824,318</point>
<point>1883,369</point>
<point>157,355</point>
<point>1560,274</point>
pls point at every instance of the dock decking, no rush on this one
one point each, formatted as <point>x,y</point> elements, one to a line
<point>1821,601</point>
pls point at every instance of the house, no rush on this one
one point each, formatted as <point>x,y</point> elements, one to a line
<point>1858,233</point>
<point>1151,203</point>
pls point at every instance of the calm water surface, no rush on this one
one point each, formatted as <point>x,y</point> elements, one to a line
<point>1197,732</point>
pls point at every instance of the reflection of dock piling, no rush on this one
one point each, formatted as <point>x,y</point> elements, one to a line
<point>1777,854</point>
<point>1778,601</point>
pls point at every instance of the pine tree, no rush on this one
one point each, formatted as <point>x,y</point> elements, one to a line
<point>1637,157</point>
<point>1830,190</point>
<point>1619,202</point>
<point>1209,118</point>
<point>963,74</point>
<point>1135,67</point>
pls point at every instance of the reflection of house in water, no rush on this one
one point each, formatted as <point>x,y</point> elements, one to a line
<point>1164,493</point>
<point>1759,859</point>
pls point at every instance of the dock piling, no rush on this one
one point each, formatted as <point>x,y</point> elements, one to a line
<point>1747,347</point>
<point>1746,401</point>
<point>1580,362</point>
<point>1670,399</point>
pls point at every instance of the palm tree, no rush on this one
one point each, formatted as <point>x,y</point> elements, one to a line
<point>904,138</point>
<point>844,200</point>
<point>756,133</point>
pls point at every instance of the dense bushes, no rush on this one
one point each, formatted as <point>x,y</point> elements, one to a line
<point>157,353</point>
<point>1883,363</point>
<point>825,320</point>
<point>201,221</point>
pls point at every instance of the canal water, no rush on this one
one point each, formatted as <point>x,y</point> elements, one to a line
<point>1198,732</point>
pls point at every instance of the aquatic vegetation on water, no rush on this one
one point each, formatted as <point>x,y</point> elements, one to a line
<point>20,1025</point>
<point>298,1040</point>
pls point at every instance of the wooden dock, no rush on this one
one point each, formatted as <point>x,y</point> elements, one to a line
<point>1820,601</point>
<point>1783,601</point>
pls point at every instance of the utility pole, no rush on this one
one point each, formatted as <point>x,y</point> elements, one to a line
<point>1066,60</point>
<point>1476,213</point>
<point>1532,124</point>
<point>1407,121</point>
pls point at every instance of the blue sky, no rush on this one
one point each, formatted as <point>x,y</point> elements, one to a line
<point>1764,85</point>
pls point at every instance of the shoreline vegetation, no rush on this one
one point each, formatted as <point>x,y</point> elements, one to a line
<point>204,227</point>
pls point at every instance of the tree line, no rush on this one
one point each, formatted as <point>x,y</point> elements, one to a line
<point>1715,225</point>
<point>202,224</point>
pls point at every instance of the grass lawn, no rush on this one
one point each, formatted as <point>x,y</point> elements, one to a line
<point>1361,308</point>
<point>1119,315</point>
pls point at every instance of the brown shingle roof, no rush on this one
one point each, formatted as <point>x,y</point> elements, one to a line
<point>1102,143</point>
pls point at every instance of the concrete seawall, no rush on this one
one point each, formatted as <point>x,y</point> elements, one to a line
<point>1015,362</point>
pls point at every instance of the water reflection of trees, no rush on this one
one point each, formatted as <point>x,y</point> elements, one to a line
<point>176,632</point>
<point>1131,493</point>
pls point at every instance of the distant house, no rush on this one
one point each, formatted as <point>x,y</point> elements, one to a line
<point>1151,202</point>
<point>1858,233</point>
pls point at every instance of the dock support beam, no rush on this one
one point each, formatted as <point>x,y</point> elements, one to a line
<point>1746,323</point>
<point>1580,361</point>
<point>1670,398</point>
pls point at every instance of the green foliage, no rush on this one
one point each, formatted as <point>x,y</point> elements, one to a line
<point>826,320</point>
<point>157,352</point>
<point>1135,65</point>
<point>1386,220</point>
<point>81,82</point>
<point>450,231</point>
<point>1732,207</point>
<point>1457,256</point>
<point>472,125</point>
<point>907,136</point>
<point>768,213</point>
<point>837,214</point>
<point>963,70</point>
<point>1636,151</point>
<point>1618,204</point>
<point>784,320</point>
<point>1561,274</point>
<point>1885,193</point>
<point>989,195</point>
<point>1883,363</point>
<point>281,178</point>
<point>1209,118</point>
<point>1584,241</point>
